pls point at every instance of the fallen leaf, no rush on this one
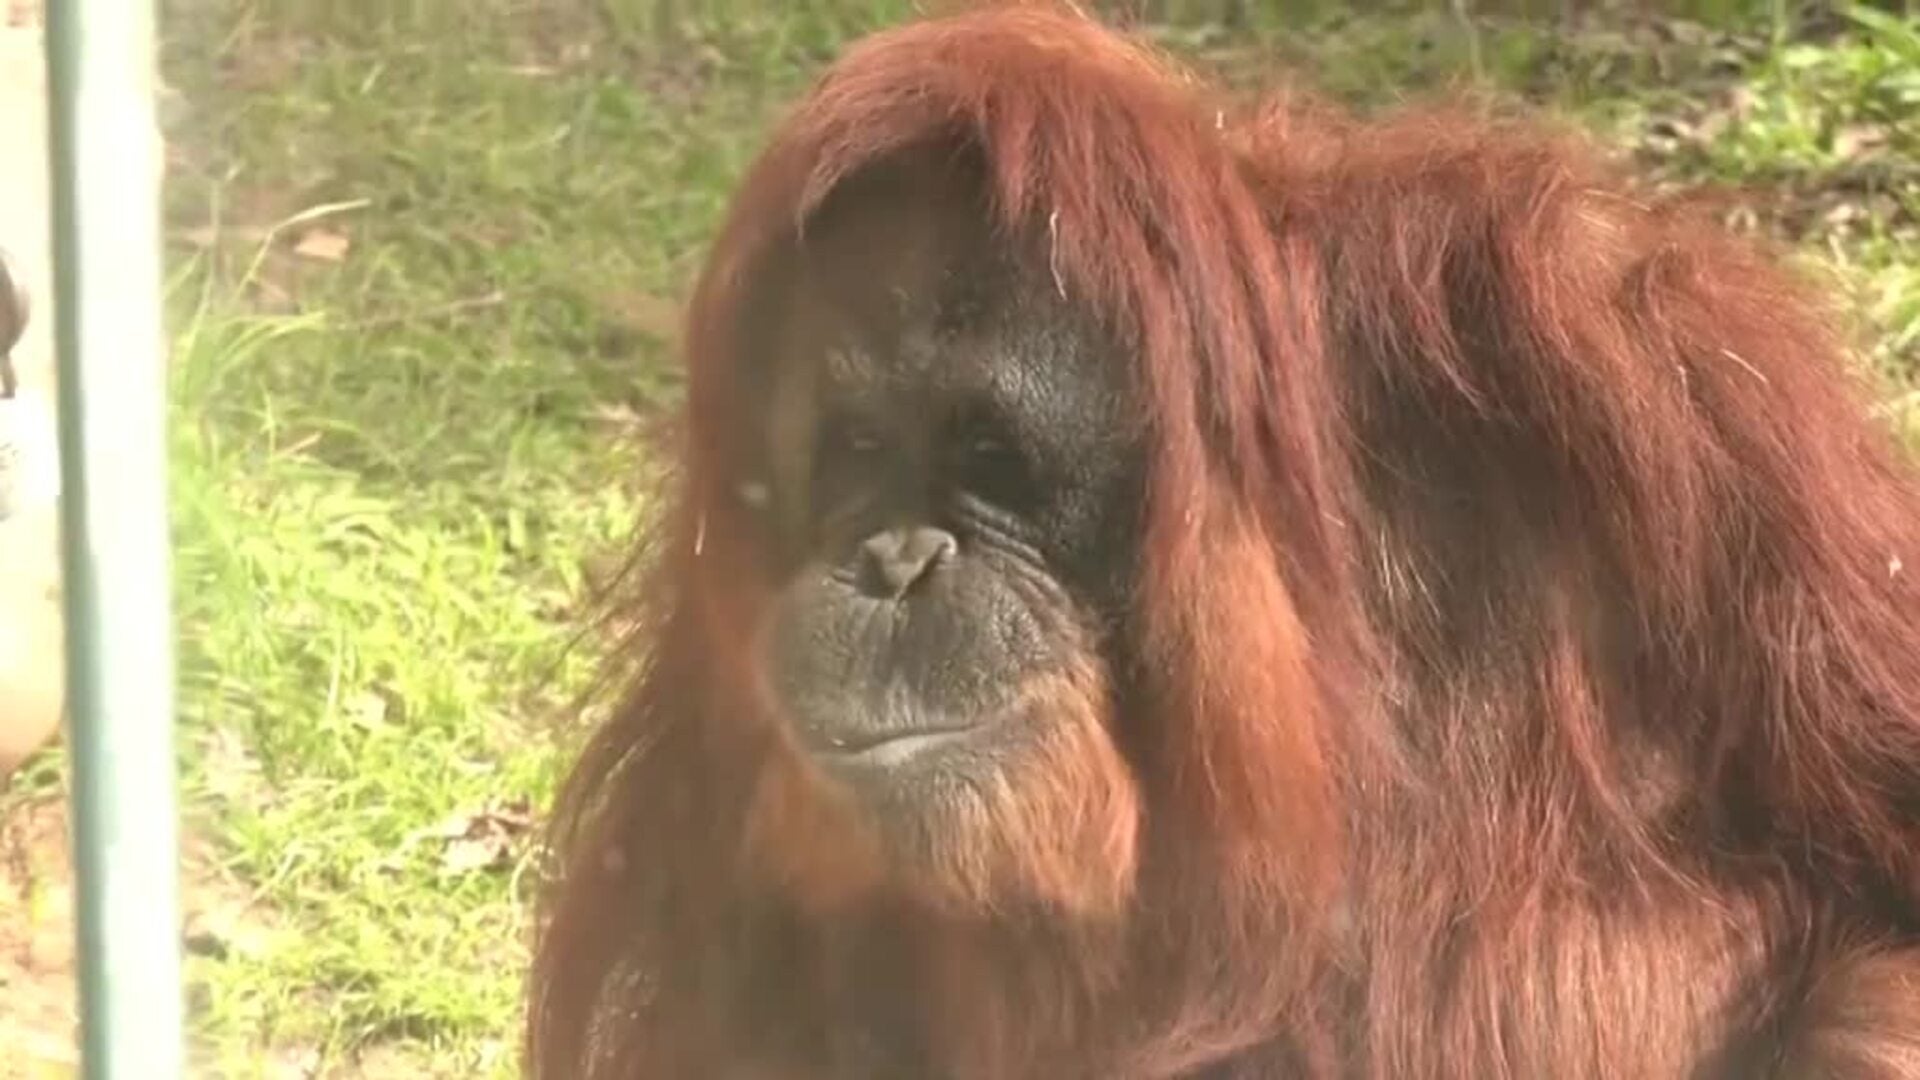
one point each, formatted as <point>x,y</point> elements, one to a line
<point>300,1064</point>
<point>482,839</point>
<point>221,931</point>
<point>473,856</point>
<point>1712,126</point>
<point>1843,213</point>
<point>368,710</point>
<point>1858,140</point>
<point>618,415</point>
<point>272,298</point>
<point>647,314</point>
<point>232,769</point>
<point>1670,134</point>
<point>200,236</point>
<point>323,245</point>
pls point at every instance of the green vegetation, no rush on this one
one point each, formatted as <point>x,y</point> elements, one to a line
<point>425,259</point>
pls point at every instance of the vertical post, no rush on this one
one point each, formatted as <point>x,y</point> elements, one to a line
<point>109,338</point>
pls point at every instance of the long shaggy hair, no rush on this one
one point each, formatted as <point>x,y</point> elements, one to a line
<point>1534,685</point>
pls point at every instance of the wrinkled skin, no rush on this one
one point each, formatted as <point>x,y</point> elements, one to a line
<point>955,488</point>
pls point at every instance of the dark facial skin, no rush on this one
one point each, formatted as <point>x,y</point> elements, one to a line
<point>955,490</point>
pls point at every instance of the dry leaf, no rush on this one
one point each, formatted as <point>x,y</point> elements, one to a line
<point>618,416</point>
<point>298,1064</point>
<point>1843,213</point>
<point>473,856</point>
<point>1669,134</point>
<point>323,245</point>
<point>200,236</point>
<point>270,297</point>
<point>368,709</point>
<point>480,840</point>
<point>232,769</point>
<point>1858,140</point>
<point>1742,100</point>
<point>222,931</point>
<point>648,314</point>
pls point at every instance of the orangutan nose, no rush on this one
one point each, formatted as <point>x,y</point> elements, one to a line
<point>896,559</point>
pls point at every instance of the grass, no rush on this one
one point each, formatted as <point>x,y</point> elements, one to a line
<point>400,455</point>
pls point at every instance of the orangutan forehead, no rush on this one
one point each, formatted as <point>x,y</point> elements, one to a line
<point>895,292</point>
<point>956,319</point>
<point>912,250</point>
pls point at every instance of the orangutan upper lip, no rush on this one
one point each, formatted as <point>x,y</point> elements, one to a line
<point>901,741</point>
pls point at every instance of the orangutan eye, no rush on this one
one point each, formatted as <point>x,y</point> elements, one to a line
<point>848,437</point>
<point>990,464</point>
<point>991,450</point>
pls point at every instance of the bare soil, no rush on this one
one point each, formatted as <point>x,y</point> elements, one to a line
<point>38,1027</point>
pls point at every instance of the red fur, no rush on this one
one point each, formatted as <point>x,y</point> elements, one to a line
<point>1540,686</point>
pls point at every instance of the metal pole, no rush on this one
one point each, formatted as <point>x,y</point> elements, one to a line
<point>110,343</point>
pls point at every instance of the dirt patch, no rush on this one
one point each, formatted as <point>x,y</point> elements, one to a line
<point>39,1027</point>
<point>37,981</point>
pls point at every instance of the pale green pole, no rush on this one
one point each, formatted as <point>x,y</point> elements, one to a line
<point>112,383</point>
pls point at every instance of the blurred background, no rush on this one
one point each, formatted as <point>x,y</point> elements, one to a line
<point>425,262</point>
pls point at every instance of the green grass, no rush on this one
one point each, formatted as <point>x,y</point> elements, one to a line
<point>386,497</point>
<point>395,472</point>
